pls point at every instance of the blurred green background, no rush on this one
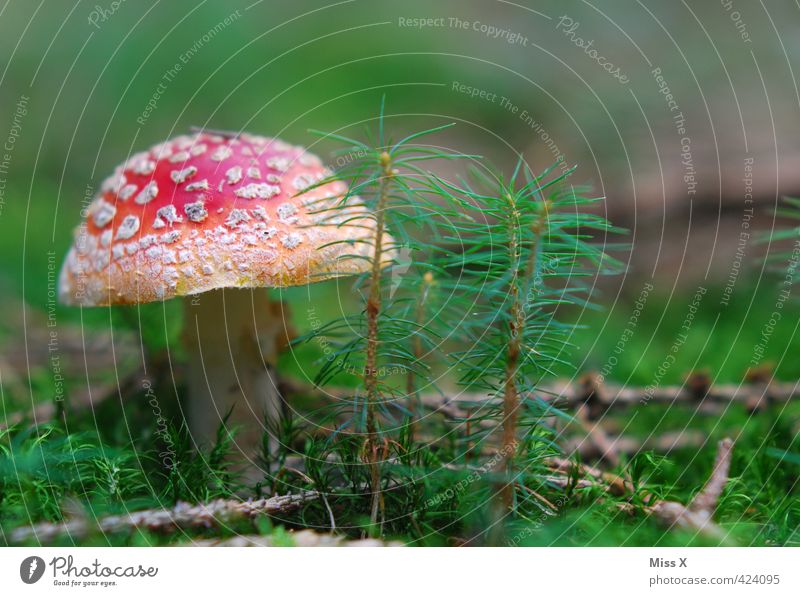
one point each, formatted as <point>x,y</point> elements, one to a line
<point>83,85</point>
<point>692,144</point>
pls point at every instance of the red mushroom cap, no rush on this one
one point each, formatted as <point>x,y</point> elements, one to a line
<point>207,211</point>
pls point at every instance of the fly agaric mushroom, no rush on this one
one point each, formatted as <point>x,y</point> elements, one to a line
<point>211,218</point>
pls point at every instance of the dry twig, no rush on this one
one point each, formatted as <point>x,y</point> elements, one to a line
<point>217,513</point>
<point>663,443</point>
<point>697,515</point>
<point>304,538</point>
<point>605,445</point>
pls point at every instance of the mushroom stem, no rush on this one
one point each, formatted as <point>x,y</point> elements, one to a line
<point>232,337</point>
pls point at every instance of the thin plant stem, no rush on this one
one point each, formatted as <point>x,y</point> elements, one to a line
<point>373,312</point>
<point>510,390</point>
<point>515,340</point>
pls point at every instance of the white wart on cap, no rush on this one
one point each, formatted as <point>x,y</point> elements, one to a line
<point>203,212</point>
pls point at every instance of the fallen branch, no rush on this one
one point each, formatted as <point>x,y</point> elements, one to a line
<point>89,397</point>
<point>217,513</point>
<point>79,401</point>
<point>303,538</point>
<point>755,393</point>
<point>616,485</point>
<point>664,443</point>
<point>697,515</point>
<point>605,445</point>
